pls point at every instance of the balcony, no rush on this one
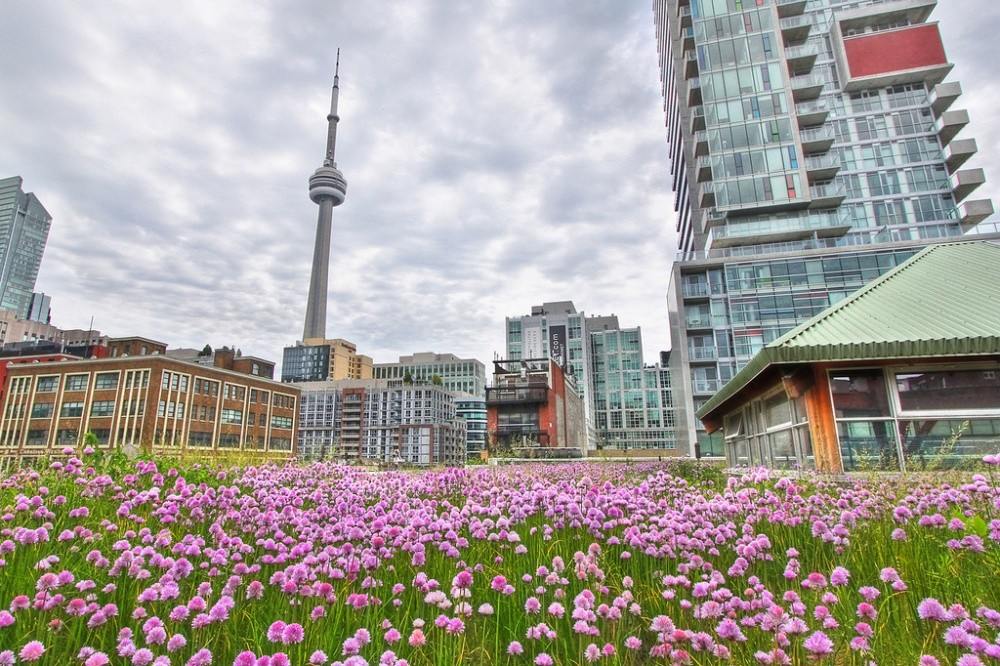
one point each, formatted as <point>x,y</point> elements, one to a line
<point>828,195</point>
<point>950,124</point>
<point>694,92</point>
<point>777,231</point>
<point>908,11</point>
<point>965,182</point>
<point>687,38</point>
<point>973,212</point>
<point>697,119</point>
<point>714,217</point>
<point>706,195</point>
<point>703,169</point>
<point>684,15</point>
<point>795,29</point>
<point>696,290</point>
<point>705,386</point>
<point>801,59</point>
<point>510,395</point>
<point>812,113</point>
<point>944,95</point>
<point>702,354</point>
<point>690,65</point>
<point>791,7</point>
<point>817,139</point>
<point>807,87</point>
<point>701,144</point>
<point>821,168</point>
<point>959,152</point>
<point>698,322</point>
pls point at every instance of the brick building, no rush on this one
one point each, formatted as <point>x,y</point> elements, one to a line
<point>150,403</point>
<point>135,346</point>
<point>533,405</point>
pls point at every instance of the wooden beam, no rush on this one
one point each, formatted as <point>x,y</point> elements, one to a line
<point>822,424</point>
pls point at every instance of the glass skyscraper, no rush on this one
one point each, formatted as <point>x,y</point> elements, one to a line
<point>813,147</point>
<point>633,405</point>
<point>24,230</point>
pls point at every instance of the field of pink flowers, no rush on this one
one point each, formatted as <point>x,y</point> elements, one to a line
<point>565,564</point>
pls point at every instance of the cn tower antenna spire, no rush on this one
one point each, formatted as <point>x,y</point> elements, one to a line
<point>333,118</point>
<point>328,189</point>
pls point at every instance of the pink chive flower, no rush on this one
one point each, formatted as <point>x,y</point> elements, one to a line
<point>32,651</point>
<point>514,648</point>
<point>292,633</point>
<point>96,659</point>
<point>818,644</point>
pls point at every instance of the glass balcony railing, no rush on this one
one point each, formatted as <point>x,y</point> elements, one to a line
<point>704,321</point>
<point>822,162</point>
<point>818,134</point>
<point>696,290</point>
<point>703,353</point>
<point>704,386</point>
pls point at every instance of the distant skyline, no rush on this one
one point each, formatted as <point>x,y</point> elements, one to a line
<point>497,156</point>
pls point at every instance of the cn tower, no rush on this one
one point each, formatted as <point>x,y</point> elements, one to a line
<point>327,188</point>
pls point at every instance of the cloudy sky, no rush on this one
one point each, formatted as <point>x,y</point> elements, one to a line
<point>498,154</point>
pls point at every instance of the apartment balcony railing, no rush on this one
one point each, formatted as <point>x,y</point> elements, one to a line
<point>519,395</point>
<point>822,167</point>
<point>703,353</point>
<point>802,58</point>
<point>698,322</point>
<point>807,87</point>
<point>795,29</point>
<point>810,113</point>
<point>690,65</point>
<point>817,139</point>
<point>696,290</point>
<point>694,92</point>
<point>705,386</point>
<point>828,195</point>
<point>775,231</point>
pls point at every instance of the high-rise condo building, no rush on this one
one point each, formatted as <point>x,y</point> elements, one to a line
<point>633,405</point>
<point>812,147</point>
<point>24,230</point>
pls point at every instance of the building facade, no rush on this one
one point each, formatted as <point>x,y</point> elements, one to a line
<point>24,230</point>
<point>153,404</point>
<point>558,331</point>
<point>633,404</point>
<point>534,408</point>
<point>813,147</point>
<point>318,360</point>
<point>380,421</point>
<point>460,375</point>
<point>473,412</point>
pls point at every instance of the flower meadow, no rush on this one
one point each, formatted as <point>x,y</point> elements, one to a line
<point>579,563</point>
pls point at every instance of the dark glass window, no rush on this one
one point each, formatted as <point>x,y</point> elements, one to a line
<point>859,394</point>
<point>948,390</point>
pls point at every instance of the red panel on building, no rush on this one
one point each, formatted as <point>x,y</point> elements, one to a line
<point>895,51</point>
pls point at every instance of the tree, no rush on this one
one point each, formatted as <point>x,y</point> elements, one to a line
<point>205,351</point>
<point>407,377</point>
<point>436,380</point>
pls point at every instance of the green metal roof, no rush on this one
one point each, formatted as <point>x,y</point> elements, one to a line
<point>944,301</point>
